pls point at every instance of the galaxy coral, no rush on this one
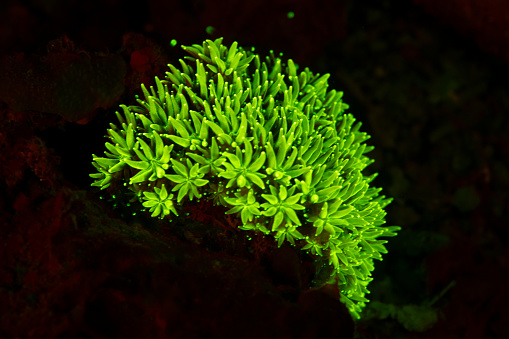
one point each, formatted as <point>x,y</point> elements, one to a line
<point>270,143</point>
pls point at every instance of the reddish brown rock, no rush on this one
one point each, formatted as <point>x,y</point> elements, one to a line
<point>487,22</point>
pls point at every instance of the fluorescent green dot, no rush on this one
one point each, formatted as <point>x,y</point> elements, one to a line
<point>173,42</point>
<point>290,15</point>
<point>210,30</point>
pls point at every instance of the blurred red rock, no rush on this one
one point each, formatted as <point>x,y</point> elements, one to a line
<point>487,22</point>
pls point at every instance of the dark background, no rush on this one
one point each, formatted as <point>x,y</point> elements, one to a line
<point>427,78</point>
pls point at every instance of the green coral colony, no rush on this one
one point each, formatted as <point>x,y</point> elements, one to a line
<point>268,142</point>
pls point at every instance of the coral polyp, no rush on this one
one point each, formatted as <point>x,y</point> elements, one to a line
<point>269,142</point>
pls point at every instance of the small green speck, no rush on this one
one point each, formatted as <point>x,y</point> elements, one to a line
<point>290,15</point>
<point>210,30</point>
